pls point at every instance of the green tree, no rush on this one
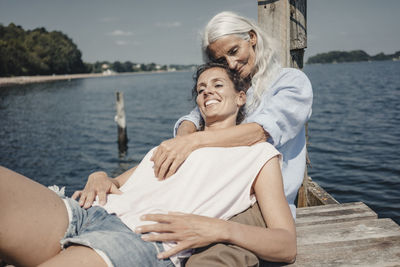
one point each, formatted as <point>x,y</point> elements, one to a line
<point>37,52</point>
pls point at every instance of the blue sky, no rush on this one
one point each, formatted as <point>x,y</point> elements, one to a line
<point>168,31</point>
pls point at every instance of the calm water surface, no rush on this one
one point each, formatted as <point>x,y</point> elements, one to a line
<point>60,132</point>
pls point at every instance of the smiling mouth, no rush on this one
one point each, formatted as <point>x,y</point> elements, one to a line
<point>210,102</point>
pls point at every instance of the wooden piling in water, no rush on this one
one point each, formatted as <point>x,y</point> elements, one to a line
<point>121,122</point>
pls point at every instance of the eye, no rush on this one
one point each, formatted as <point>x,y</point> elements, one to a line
<point>218,85</point>
<point>233,51</point>
<point>200,91</point>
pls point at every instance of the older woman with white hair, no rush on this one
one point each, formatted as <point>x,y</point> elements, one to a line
<point>278,105</point>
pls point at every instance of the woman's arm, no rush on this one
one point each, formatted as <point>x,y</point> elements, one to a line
<point>278,241</point>
<point>286,107</point>
<point>275,243</point>
<point>171,153</point>
<point>186,127</point>
<point>99,184</point>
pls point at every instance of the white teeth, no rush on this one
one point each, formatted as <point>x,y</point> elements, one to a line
<point>209,102</point>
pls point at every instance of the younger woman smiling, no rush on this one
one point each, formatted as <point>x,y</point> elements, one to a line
<point>35,221</point>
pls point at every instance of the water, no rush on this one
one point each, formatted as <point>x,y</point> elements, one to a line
<point>355,133</point>
<point>60,132</point>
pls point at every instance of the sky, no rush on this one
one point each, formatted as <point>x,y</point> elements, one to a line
<point>168,31</point>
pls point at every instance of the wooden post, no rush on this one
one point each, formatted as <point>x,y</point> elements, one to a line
<point>121,122</point>
<point>273,18</point>
<point>285,22</point>
<point>298,32</point>
<point>298,42</point>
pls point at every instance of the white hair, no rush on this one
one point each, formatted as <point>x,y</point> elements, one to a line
<point>266,63</point>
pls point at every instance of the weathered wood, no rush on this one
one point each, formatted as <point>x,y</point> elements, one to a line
<point>316,195</point>
<point>365,252</point>
<point>298,32</point>
<point>273,18</point>
<point>346,231</point>
<point>298,42</point>
<point>298,24</point>
<point>121,122</point>
<point>284,21</point>
<point>302,195</point>
<point>361,242</point>
<point>344,235</point>
<point>334,213</point>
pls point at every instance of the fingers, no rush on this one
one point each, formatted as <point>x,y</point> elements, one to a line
<point>176,213</point>
<point>163,223</point>
<point>174,167</point>
<point>115,190</point>
<point>89,200</point>
<point>76,194</point>
<point>164,168</point>
<point>156,153</point>
<point>102,198</point>
<point>165,237</point>
<point>178,248</point>
<point>158,161</point>
<point>158,228</point>
<point>156,217</point>
<point>82,199</point>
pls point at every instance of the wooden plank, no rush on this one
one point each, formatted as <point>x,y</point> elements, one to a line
<point>366,252</point>
<point>316,195</point>
<point>273,18</point>
<point>333,213</point>
<point>346,231</point>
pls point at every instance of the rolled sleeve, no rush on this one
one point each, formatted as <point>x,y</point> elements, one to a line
<point>193,116</point>
<point>286,107</point>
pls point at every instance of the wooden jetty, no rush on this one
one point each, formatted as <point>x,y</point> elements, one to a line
<point>347,234</point>
<point>328,233</point>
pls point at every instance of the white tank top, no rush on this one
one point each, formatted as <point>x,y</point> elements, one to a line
<point>213,181</point>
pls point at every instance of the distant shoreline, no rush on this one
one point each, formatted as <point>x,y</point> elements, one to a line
<point>20,80</point>
<point>350,56</point>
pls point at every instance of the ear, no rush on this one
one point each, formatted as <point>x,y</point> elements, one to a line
<point>241,99</point>
<point>253,38</point>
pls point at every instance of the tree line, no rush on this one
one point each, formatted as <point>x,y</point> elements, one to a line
<point>351,56</point>
<point>39,52</point>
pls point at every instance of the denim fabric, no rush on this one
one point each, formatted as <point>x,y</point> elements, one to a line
<point>109,237</point>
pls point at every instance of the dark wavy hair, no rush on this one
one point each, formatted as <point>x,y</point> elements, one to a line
<point>238,83</point>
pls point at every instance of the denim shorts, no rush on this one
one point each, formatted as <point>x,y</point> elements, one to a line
<point>106,234</point>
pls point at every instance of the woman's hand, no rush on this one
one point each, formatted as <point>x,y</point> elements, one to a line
<point>98,184</point>
<point>170,155</point>
<point>187,230</point>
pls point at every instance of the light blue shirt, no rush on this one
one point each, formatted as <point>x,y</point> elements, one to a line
<point>283,111</point>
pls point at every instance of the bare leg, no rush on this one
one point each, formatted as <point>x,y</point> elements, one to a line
<point>76,256</point>
<point>32,220</point>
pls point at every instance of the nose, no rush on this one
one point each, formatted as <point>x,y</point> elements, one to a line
<point>231,63</point>
<point>209,90</point>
